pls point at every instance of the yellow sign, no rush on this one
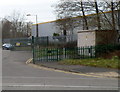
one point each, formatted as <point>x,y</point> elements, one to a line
<point>17,44</point>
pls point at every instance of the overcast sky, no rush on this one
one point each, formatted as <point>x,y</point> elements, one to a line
<point>41,8</point>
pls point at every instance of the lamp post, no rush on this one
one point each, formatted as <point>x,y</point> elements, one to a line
<point>36,23</point>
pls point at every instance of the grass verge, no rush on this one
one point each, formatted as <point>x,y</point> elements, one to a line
<point>96,62</point>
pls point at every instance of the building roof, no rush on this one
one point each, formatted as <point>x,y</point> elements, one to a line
<point>75,17</point>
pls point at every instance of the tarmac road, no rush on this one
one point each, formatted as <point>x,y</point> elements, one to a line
<point>16,75</point>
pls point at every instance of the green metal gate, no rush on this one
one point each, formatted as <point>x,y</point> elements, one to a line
<point>46,54</point>
<point>43,52</point>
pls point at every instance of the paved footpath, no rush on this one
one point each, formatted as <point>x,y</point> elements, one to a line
<point>96,71</point>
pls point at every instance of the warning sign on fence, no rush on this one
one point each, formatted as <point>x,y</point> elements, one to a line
<point>17,44</point>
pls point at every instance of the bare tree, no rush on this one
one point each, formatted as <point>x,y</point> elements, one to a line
<point>65,10</point>
<point>84,17</point>
<point>113,6</point>
<point>17,23</point>
<point>17,26</point>
<point>72,8</point>
<point>6,27</point>
<point>98,18</point>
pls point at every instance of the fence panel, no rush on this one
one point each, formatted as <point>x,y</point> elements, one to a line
<point>56,54</point>
<point>45,50</point>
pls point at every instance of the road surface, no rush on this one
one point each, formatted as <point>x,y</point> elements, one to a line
<point>16,75</point>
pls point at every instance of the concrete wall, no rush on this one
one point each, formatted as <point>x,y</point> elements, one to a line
<point>86,38</point>
<point>92,38</point>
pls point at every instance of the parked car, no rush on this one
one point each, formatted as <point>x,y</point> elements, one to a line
<point>7,46</point>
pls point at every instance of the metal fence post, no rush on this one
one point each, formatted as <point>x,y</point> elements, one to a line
<point>64,53</point>
<point>47,41</point>
<point>57,54</point>
<point>47,49</point>
<point>91,53</point>
<point>33,49</point>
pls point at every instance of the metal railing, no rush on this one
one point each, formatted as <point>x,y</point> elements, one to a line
<point>56,54</point>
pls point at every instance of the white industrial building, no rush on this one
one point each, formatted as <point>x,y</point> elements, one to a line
<point>45,29</point>
<point>48,28</point>
<point>86,38</point>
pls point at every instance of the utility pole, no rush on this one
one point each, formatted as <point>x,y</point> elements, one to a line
<point>37,34</point>
<point>36,27</point>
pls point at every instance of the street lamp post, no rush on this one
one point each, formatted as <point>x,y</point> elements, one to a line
<point>33,36</point>
<point>36,24</point>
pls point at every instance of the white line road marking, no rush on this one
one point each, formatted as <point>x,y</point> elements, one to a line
<point>65,86</point>
<point>22,77</point>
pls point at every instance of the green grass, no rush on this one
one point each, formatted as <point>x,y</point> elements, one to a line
<point>96,62</point>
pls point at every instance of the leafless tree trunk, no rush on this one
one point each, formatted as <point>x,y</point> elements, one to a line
<point>84,17</point>
<point>98,18</point>
<point>113,18</point>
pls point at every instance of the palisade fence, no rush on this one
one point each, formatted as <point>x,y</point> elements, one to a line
<point>56,54</point>
<point>53,48</point>
<point>57,48</point>
<point>65,47</point>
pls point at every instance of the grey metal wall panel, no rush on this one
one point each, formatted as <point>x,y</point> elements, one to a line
<point>34,30</point>
<point>47,29</point>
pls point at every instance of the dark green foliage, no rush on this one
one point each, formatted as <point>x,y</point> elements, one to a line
<point>55,34</point>
<point>101,49</point>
